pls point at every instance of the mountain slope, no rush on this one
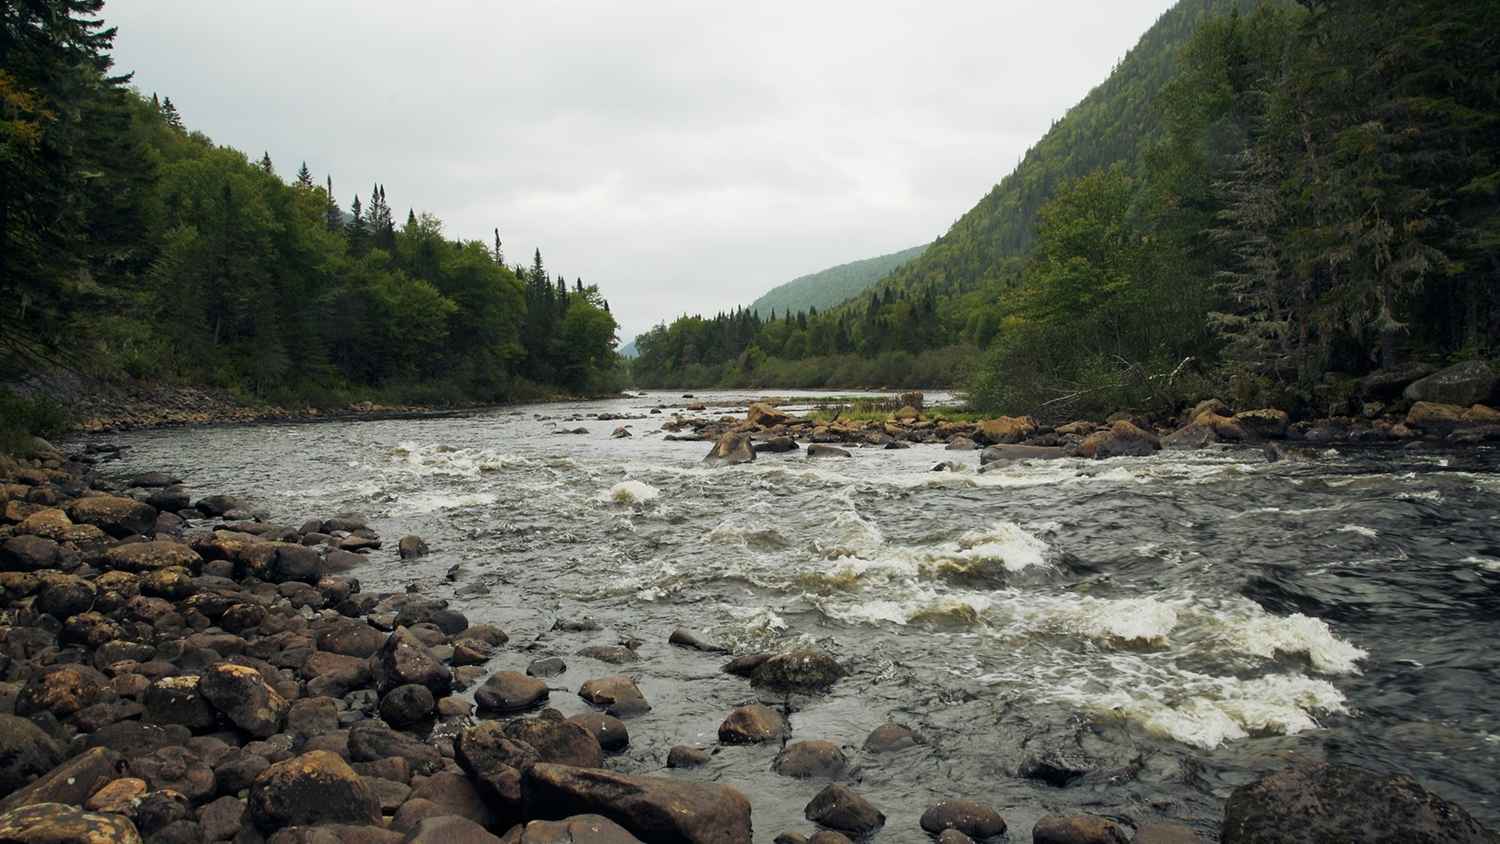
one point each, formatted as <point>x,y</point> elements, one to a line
<point>1116,122</point>
<point>830,287</point>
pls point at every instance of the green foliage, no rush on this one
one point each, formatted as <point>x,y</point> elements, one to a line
<point>136,248</point>
<point>25,417</point>
<point>832,286</point>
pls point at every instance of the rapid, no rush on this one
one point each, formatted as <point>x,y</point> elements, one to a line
<point>1141,635</point>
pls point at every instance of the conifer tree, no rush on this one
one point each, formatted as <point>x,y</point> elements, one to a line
<point>265,163</point>
<point>304,177</point>
<point>499,255</point>
<point>358,230</point>
<point>332,217</point>
<point>169,114</point>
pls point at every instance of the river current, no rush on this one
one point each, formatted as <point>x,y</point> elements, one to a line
<point>1178,625</point>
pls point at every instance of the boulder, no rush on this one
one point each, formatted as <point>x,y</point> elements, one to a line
<point>147,556</point>
<point>1122,439</point>
<point>50,524</point>
<point>118,517</point>
<point>687,756</point>
<point>556,740</point>
<point>653,809</point>
<point>776,445</point>
<point>29,553</point>
<point>888,738</point>
<point>407,705</point>
<point>1387,384</point>
<point>64,595</point>
<point>176,768</point>
<point>62,690</point>
<point>1470,382</point>
<point>1013,453</point>
<point>1190,437</point>
<point>350,638</point>
<point>1266,423</point>
<point>372,741</point>
<point>798,671</point>
<point>580,829</point>
<point>608,730</point>
<point>314,716</point>
<point>54,823</point>
<point>411,547</point>
<point>961,444</point>
<point>403,660</point>
<point>686,638</point>
<point>766,416</point>
<point>118,797</point>
<point>72,782</point>
<point>752,724</point>
<point>509,691</point>
<point>314,788</point>
<point>1078,829</point>
<point>810,759</point>
<point>818,450</point>
<point>730,450</point>
<point>26,752</point>
<point>496,762</point>
<point>976,820</point>
<point>244,697</point>
<point>449,829</point>
<point>839,808</point>
<point>1006,429</point>
<point>619,695</point>
<point>1436,418</point>
<point>1315,802</point>
<point>178,700</point>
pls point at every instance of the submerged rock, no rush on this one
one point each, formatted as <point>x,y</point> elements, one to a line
<point>1078,829</point>
<point>809,759</point>
<point>838,807</point>
<point>976,820</point>
<point>798,671</point>
<point>730,450</point>
<point>754,723</point>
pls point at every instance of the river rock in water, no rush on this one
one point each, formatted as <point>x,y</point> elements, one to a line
<point>650,808</point>
<point>731,449</point>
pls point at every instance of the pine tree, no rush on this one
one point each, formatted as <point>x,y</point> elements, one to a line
<point>155,103</point>
<point>358,230</point>
<point>304,177</point>
<point>332,216</point>
<point>499,255</point>
<point>169,114</point>
<point>265,164</point>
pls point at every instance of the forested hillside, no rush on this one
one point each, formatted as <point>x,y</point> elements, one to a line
<point>822,290</point>
<point>1263,203</point>
<point>133,247</point>
<point>1115,122</point>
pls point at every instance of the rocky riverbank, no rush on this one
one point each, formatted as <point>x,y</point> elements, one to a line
<point>1415,407</point>
<point>174,666</point>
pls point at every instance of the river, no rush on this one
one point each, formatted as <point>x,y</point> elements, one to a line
<point>1180,624</point>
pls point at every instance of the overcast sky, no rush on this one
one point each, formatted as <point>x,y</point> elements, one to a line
<point>686,156</point>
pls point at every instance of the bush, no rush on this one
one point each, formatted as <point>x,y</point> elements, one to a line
<point>23,418</point>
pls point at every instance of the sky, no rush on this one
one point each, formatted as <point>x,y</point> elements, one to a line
<point>684,156</point>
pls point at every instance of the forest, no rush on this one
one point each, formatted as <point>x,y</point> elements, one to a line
<point>134,247</point>
<point>1265,200</point>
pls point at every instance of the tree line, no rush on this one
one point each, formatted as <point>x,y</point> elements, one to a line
<point>135,247</point>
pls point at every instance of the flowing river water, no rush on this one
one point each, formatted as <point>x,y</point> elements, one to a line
<point>1178,624</point>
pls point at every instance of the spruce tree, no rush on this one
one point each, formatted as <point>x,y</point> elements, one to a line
<point>304,177</point>
<point>332,216</point>
<point>265,164</point>
<point>358,231</point>
<point>499,255</point>
<point>169,114</point>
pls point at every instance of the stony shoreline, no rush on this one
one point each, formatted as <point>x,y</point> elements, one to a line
<point>176,667</point>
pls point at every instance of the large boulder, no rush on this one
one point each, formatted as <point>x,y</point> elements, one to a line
<point>752,724</point>
<point>245,698</point>
<point>1267,423</point>
<point>1122,439</point>
<point>118,517</point>
<point>508,691</point>
<point>1006,429</point>
<point>148,556</point>
<point>29,553</point>
<point>314,788</point>
<point>730,450</point>
<point>62,690</point>
<point>976,820</point>
<point>766,416</point>
<point>810,759</point>
<point>618,694</point>
<point>1014,453</point>
<point>653,809</point>
<point>72,782</point>
<point>1318,802</point>
<point>556,740</point>
<point>1470,382</point>
<point>497,763</point>
<point>798,671</point>
<point>372,741</point>
<point>54,823</point>
<point>1388,384</point>
<point>403,660</point>
<point>26,752</point>
<point>582,829</point>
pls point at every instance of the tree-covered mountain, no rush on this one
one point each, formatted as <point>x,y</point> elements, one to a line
<point>826,288</point>
<point>133,247</point>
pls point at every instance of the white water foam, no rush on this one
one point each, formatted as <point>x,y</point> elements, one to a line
<point>1253,631</point>
<point>1222,709</point>
<point>1369,533</point>
<point>630,492</point>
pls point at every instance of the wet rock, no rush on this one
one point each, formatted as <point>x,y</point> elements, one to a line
<point>1057,767</point>
<point>53,823</point>
<point>172,582</point>
<point>350,638</point>
<point>839,808</point>
<point>1320,802</point>
<point>243,696</point>
<point>168,499</point>
<point>472,652</point>
<point>64,595</point>
<point>687,756</point>
<point>953,836</point>
<point>546,667</point>
<point>1003,454</point>
<point>817,450</point>
<point>731,449</point>
<point>619,695</point>
<point>30,553</point>
<point>556,740</point>
<point>961,444</point>
<point>62,690</point>
<point>888,738</point>
<point>312,716</point>
<point>1165,833</point>
<point>178,700</point>
<point>89,629</point>
<point>26,752</point>
<point>72,782</point>
<point>828,836</point>
<point>496,762</point>
<point>118,797</point>
<point>177,769</point>
<point>118,517</point>
<point>371,741</point>
<point>1122,439</point>
<point>752,724</point>
<point>411,547</point>
<point>237,770</point>
<point>159,809</point>
<point>650,808</point>
<point>508,691</point>
<point>612,654</point>
<point>776,445</point>
<point>810,759</point>
<point>608,730</point>
<point>1078,829</point>
<point>404,660</point>
<point>686,638</point>
<point>296,563</point>
<point>313,788</point>
<point>1436,418</point>
<point>147,556</point>
<point>745,665</point>
<point>974,819</point>
<point>580,829</point>
<point>407,705</point>
<point>948,466</point>
<point>1470,382</point>
<point>221,820</point>
<point>766,416</point>
<point>799,671</point>
<point>1267,423</point>
<point>1191,437</point>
